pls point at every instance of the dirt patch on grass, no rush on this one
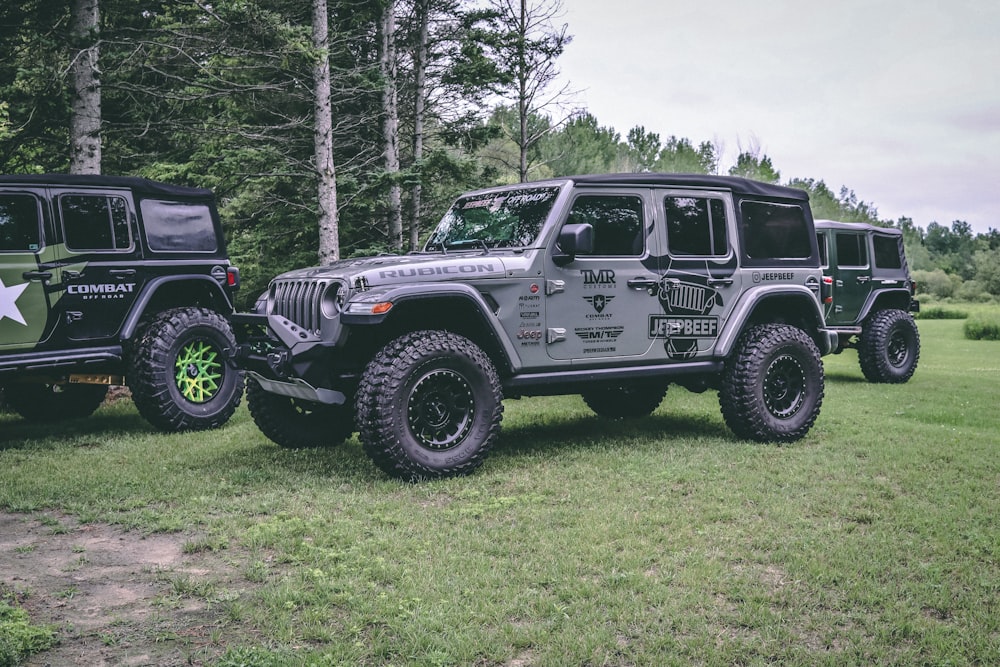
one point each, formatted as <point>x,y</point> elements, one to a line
<point>118,597</point>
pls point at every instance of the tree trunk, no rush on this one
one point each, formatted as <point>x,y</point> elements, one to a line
<point>419,93</point>
<point>390,127</point>
<point>85,116</point>
<point>522,93</point>
<point>329,236</point>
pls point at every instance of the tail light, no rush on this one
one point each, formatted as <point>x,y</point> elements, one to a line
<point>826,291</point>
<point>233,277</point>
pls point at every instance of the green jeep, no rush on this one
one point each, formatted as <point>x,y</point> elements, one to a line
<point>869,297</point>
<point>109,281</point>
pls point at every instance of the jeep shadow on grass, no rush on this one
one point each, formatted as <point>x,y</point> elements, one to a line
<point>115,280</point>
<point>610,286</point>
<point>868,297</point>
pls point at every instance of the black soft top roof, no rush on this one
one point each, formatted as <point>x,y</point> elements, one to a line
<point>142,186</point>
<point>857,227</point>
<point>736,185</point>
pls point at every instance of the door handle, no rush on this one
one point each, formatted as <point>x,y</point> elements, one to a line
<point>642,283</point>
<point>37,275</point>
<point>718,282</point>
<point>863,279</point>
<point>122,273</point>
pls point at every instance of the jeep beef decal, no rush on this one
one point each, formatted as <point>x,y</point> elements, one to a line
<point>687,301</point>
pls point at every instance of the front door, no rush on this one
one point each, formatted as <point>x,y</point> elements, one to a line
<point>596,304</point>
<point>24,302</point>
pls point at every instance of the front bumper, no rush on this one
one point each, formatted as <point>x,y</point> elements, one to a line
<point>284,358</point>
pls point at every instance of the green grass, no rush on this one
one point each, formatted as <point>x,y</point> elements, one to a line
<point>19,638</point>
<point>658,541</point>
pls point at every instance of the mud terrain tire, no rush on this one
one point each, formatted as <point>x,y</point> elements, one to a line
<point>772,386</point>
<point>429,406</point>
<point>55,402</point>
<point>296,424</point>
<point>624,400</point>
<point>178,373</point>
<point>889,347</point>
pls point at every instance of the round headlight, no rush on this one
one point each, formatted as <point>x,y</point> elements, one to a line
<point>334,298</point>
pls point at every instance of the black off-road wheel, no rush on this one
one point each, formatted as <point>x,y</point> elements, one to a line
<point>296,424</point>
<point>772,386</point>
<point>55,402</point>
<point>179,377</point>
<point>429,406</point>
<point>889,347</point>
<point>624,400</point>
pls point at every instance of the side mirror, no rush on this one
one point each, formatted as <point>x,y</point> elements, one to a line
<point>576,239</point>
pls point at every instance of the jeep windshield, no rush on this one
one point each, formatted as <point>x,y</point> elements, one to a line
<point>502,219</point>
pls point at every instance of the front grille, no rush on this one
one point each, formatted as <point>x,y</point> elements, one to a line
<point>299,301</point>
<point>688,297</point>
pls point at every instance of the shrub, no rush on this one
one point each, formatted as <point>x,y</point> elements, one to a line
<point>982,328</point>
<point>936,283</point>
<point>973,291</point>
<point>18,638</point>
<point>939,313</point>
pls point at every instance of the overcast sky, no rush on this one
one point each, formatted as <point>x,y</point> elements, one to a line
<point>899,100</point>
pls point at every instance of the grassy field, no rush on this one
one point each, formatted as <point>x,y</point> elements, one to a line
<point>658,541</point>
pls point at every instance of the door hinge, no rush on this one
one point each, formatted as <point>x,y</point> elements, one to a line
<point>554,287</point>
<point>555,335</point>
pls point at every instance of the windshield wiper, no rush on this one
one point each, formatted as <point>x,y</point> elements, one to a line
<point>470,242</point>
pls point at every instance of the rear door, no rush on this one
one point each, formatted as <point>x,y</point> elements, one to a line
<point>100,254</point>
<point>851,269</point>
<point>700,282</point>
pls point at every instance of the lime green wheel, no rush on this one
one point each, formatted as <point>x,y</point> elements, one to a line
<point>200,371</point>
<point>179,375</point>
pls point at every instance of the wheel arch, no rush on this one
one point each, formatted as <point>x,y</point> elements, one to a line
<point>173,292</point>
<point>796,306</point>
<point>461,311</point>
<point>885,300</point>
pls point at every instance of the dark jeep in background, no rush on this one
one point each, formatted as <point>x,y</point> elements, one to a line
<point>870,297</point>
<point>115,280</point>
<point>609,286</point>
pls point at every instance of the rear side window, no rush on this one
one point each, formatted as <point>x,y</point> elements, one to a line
<point>888,254</point>
<point>617,222</point>
<point>96,223</point>
<point>696,226</point>
<point>821,242</point>
<point>178,226</point>
<point>19,224</point>
<point>775,231</point>
<point>851,250</point>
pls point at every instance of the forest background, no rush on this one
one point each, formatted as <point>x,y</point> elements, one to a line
<point>339,128</point>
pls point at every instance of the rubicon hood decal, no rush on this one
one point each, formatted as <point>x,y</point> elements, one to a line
<point>376,271</point>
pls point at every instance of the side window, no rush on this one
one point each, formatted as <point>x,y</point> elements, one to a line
<point>95,223</point>
<point>888,254</point>
<point>19,224</point>
<point>617,221</point>
<point>696,226</point>
<point>775,231</point>
<point>824,259</point>
<point>851,250</point>
<point>178,226</point>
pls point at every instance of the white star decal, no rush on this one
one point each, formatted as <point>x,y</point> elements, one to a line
<point>8,302</point>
